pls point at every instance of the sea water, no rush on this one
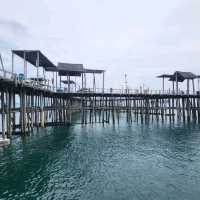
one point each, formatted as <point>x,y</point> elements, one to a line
<point>152,160</point>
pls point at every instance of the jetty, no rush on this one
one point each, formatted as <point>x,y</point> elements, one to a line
<point>51,99</point>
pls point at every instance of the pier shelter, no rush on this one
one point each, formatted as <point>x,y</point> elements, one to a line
<point>164,76</point>
<point>179,77</point>
<point>69,70</point>
<point>94,72</point>
<point>34,57</point>
<point>77,70</point>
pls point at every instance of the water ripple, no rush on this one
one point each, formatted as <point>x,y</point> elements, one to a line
<point>137,161</point>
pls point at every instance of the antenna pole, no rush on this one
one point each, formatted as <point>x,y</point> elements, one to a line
<point>126,83</point>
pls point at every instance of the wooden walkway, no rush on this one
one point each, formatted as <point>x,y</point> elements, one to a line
<point>25,106</point>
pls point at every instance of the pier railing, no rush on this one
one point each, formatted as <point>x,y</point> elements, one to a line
<point>38,85</point>
<point>109,90</point>
<point>7,75</point>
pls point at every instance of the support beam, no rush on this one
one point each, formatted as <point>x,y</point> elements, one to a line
<point>163,85</point>
<point>103,82</point>
<point>188,86</point>
<point>193,86</point>
<point>56,80</point>
<point>25,66</point>
<point>176,83</point>
<point>68,83</point>
<point>12,62</point>
<point>60,81</point>
<point>37,66</point>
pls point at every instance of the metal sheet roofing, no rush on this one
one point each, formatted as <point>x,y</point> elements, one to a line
<point>51,69</point>
<point>165,76</point>
<point>31,57</point>
<point>95,71</point>
<point>70,69</point>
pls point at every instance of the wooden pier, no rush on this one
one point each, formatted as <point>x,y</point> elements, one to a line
<point>41,107</point>
<point>25,106</point>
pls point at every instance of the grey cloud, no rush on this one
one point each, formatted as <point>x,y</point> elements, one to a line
<point>13,26</point>
<point>12,34</point>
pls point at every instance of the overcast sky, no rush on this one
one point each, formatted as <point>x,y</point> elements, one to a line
<point>141,38</point>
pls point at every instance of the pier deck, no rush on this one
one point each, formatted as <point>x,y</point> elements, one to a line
<point>25,106</point>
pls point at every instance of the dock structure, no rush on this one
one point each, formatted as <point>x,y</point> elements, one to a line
<point>32,102</point>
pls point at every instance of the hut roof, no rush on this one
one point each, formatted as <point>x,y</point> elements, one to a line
<point>181,76</point>
<point>165,76</point>
<point>31,57</point>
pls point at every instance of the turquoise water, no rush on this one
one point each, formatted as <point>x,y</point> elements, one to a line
<point>126,161</point>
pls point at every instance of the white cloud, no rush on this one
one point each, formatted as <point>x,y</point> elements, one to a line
<point>142,38</point>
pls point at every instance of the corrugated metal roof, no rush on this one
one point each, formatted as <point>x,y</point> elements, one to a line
<point>51,69</point>
<point>70,69</point>
<point>165,76</point>
<point>31,57</point>
<point>95,71</point>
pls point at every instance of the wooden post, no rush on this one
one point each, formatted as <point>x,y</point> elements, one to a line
<point>176,83</point>
<point>93,82</point>
<point>37,65</point>
<point>103,82</point>
<point>3,114</point>
<point>13,115</point>
<point>44,75</point>
<point>85,81</point>
<point>56,80</point>
<point>32,112</point>
<point>25,66</point>
<point>188,86</point>
<point>198,107</point>
<point>42,110</point>
<point>173,86</point>
<point>60,81</point>
<point>12,62</point>
<point>68,83</point>
<point>82,82</point>
<point>9,122</point>
<point>163,85</point>
<point>53,82</point>
<point>193,86</point>
<point>183,108</point>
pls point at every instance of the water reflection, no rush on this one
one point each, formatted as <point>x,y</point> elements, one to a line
<point>149,160</point>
